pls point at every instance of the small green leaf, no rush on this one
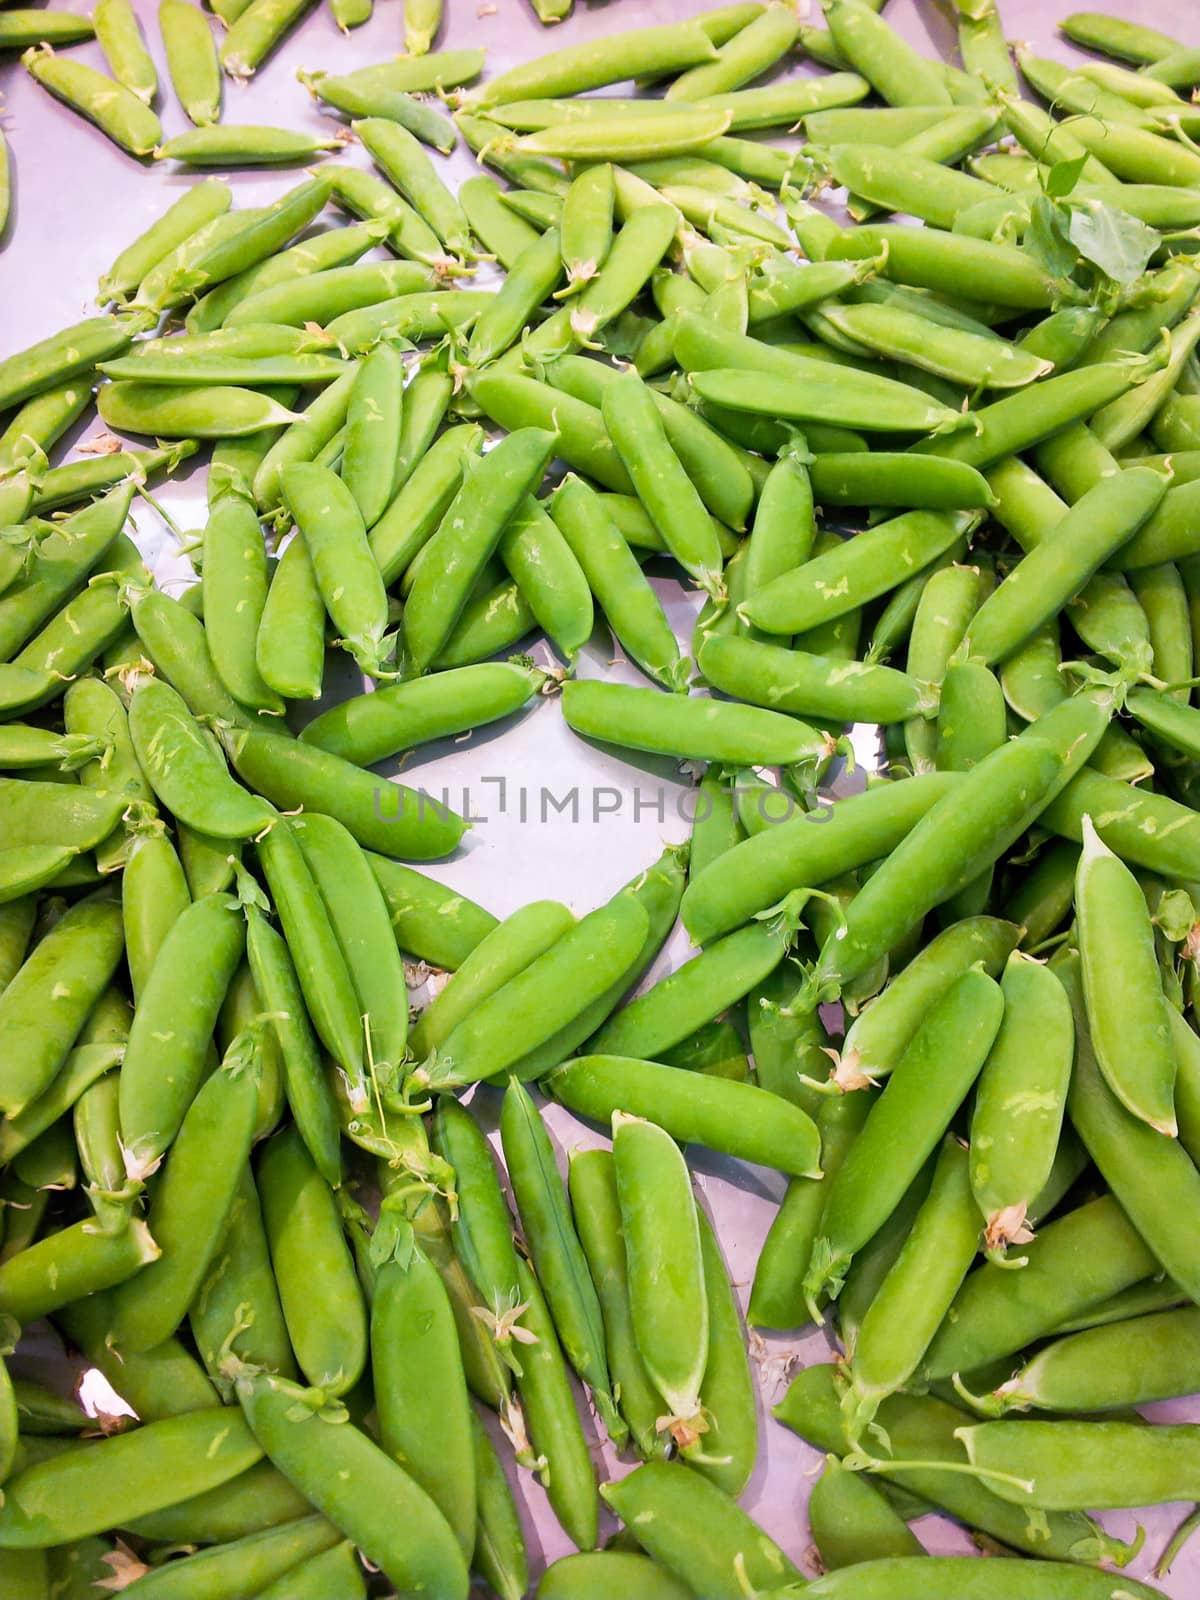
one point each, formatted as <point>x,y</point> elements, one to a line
<point>1117,244</point>
<point>1063,176</point>
<point>1048,239</point>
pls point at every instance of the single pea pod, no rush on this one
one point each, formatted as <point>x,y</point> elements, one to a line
<point>174,1021</point>
<point>1059,1465</point>
<point>192,60</point>
<point>258,1559</point>
<point>555,1250</point>
<point>944,1577</point>
<point>852,1522</point>
<point>115,109</point>
<point>727,1451</point>
<point>154,894</point>
<point>430,922</point>
<point>289,647</point>
<point>168,411</point>
<point>596,1574</point>
<point>164,1382</point>
<point>357,1486</point>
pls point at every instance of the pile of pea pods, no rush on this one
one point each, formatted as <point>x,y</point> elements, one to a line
<point>240,1180</point>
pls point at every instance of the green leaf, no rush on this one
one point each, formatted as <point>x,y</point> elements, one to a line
<point>1063,176</point>
<point>1048,238</point>
<point>1114,242</point>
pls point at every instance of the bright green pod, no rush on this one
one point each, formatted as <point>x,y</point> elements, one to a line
<point>235,578</point>
<point>852,1522</point>
<point>597,1574</point>
<point>336,1574</point>
<point>117,110</point>
<point>154,894</point>
<point>289,647</point>
<point>728,1449</point>
<point>373,421</point>
<point>429,921</point>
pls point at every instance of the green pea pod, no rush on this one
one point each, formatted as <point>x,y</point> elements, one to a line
<point>917,1292</point>
<point>124,49</point>
<point>235,592</point>
<point>399,156</point>
<point>177,646</point>
<point>321,1299</point>
<point>377,91</point>
<point>236,1310</point>
<point>939,1577</point>
<point>47,1000</point>
<point>256,1499</point>
<point>277,290</point>
<point>80,1260</point>
<point>852,1522</point>
<point>382,816</point>
<point>804,684</point>
<point>735,1118</point>
<point>430,923</point>
<point>164,1382</point>
<point>169,411</point>
<point>336,1574</point>
<point>726,1452</point>
<point>697,1532</point>
<point>1105,1463</point>
<point>497,226</point>
<point>96,1122</point>
<point>423,499</point>
<point>304,440</point>
<point>881,1165</point>
<point>192,60</point>
<point>199,204</point>
<point>262,237</point>
<point>1077,1261</point>
<point>174,1021</point>
<point>777,1296</point>
<point>16,928</point>
<point>599,1573</point>
<point>420,1391</point>
<point>154,895</point>
<point>554,1247</point>
<point>360,1488</point>
<point>500,1557</point>
<point>289,648</point>
<point>373,432</point>
<point>260,1559</point>
<point>513,401</point>
<point>84,1066</point>
<point>124,116</point>
<point>541,999</point>
<point>630,605</point>
<point>92,709</point>
<point>947,603</point>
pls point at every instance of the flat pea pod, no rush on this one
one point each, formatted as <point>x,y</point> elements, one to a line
<point>359,916</point>
<point>697,1532</point>
<point>1061,1465</point>
<point>948,849</point>
<point>1076,1261</point>
<point>192,60</point>
<point>922,1430</point>
<point>760,871</point>
<point>236,1310</point>
<point>357,1486</point>
<point>241,1567</point>
<point>593,1188</point>
<point>941,1577</point>
<point>917,1292</point>
<point>693,994</point>
<point>420,1390</point>
<point>192,1200</point>
<point>83,1492</point>
<point>174,1021</point>
<point>115,109</point>
<point>154,894</point>
<point>532,1006</point>
<point>555,1250</point>
<point>336,1574</point>
<point>469,532</point>
<point>553,1421</point>
<point>998,273</point>
<point>79,1260</point>
<point>346,573</point>
<point>318,1289</point>
<point>235,582</point>
<point>859,570</point>
<point>1129,1028</point>
<point>777,1296</point>
<point>690,727</point>
<point>382,816</point>
<point>168,411</point>
<point>726,1452</point>
<point>831,394</point>
<point>595,1575</point>
<point>719,1113</point>
<point>906,1124</point>
<point>185,768</point>
<point>47,1000</point>
<point>893,480</point>
<point>852,1522</point>
<point>289,647</point>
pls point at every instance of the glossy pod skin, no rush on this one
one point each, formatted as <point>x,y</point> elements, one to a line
<point>943,1577</point>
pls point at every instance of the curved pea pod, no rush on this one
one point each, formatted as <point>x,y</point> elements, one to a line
<point>170,412</point>
<point>430,922</point>
<point>371,1499</point>
<point>926,258</point>
<point>944,611</point>
<point>1075,1262</point>
<point>173,1024</point>
<point>997,800</point>
<point>597,1574</point>
<point>193,1199</point>
<point>177,646</point>
<point>859,570</point>
<point>513,401</point>
<point>186,769</point>
<point>549,576</point>
<point>777,1296</point>
<point>696,992</point>
<point>922,1431</point>
<point>553,1420</point>
<point>373,432</point>
<point>761,870</point>
<point>258,1498</point>
<point>251,1564</point>
<point>543,998</point>
<point>382,816</point>
<point>735,1118</point>
<point>1130,1031</point>
<point>852,1522</point>
<point>344,568</point>
<point>727,1451</point>
<point>917,1292</point>
<point>697,1532</point>
<point>928,1085</point>
<point>236,1310</point>
<point>47,1000</point>
<point>470,531</point>
<point>800,390</point>
<point>420,1390</point>
<point>318,1289</point>
<point>84,1066</point>
<point>555,1249</point>
<point>82,1492</point>
<point>419,505</point>
<point>500,1557</point>
<point>80,1260</point>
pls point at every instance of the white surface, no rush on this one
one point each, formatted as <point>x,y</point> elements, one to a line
<point>78,200</point>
